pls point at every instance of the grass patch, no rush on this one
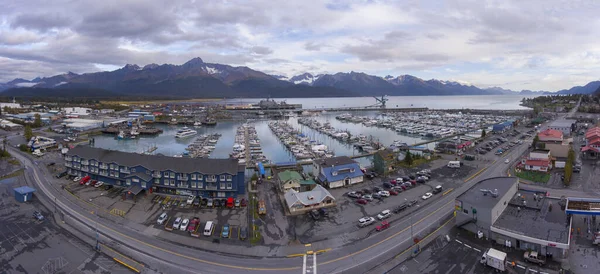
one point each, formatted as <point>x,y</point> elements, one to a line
<point>14,161</point>
<point>416,162</point>
<point>534,176</point>
<point>14,174</point>
<point>256,237</point>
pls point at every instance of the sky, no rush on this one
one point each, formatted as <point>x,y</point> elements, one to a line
<point>534,45</point>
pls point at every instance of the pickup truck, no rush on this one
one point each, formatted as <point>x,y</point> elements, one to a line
<point>534,257</point>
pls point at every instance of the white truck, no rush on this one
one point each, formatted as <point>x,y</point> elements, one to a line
<point>454,164</point>
<point>495,259</point>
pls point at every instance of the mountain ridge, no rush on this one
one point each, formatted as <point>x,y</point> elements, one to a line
<point>198,79</point>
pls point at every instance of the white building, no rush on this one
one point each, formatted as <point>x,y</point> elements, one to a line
<point>77,111</point>
<point>8,125</point>
<point>83,124</point>
<point>563,125</point>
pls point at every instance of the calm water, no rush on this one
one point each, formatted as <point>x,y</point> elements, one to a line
<point>432,102</point>
<point>275,151</point>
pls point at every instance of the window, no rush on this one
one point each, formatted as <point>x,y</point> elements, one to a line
<point>211,178</point>
<point>172,182</point>
<point>229,185</point>
<point>222,178</point>
<point>172,175</point>
<point>194,185</point>
<point>222,185</point>
<point>128,182</point>
<point>166,182</point>
<point>193,176</point>
<point>200,185</point>
<point>200,177</point>
<point>136,180</point>
<point>133,170</point>
<point>229,177</point>
<point>166,174</point>
<point>157,181</point>
<point>221,194</point>
<point>143,184</point>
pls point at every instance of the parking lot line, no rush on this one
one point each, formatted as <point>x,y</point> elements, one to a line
<point>458,241</point>
<point>520,266</point>
<point>467,245</point>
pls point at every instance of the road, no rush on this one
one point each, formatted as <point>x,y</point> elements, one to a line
<point>348,259</point>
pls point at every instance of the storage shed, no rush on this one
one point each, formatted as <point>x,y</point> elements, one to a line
<point>24,193</point>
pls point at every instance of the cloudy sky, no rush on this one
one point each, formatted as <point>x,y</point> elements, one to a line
<point>537,45</point>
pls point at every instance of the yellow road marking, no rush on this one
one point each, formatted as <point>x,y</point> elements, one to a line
<point>322,250</point>
<point>447,191</point>
<point>294,255</point>
<point>128,266</point>
<point>476,173</point>
<point>129,258</point>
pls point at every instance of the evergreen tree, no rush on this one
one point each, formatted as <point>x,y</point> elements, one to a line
<point>483,133</point>
<point>28,133</point>
<point>37,122</point>
<point>408,159</point>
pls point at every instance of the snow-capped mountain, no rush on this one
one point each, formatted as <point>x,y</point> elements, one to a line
<point>304,79</point>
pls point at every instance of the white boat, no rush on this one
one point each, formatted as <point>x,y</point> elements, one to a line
<point>185,132</point>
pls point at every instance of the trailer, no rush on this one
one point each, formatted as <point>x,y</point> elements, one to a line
<point>495,259</point>
<point>194,226</point>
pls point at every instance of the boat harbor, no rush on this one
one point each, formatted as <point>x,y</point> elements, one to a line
<point>364,144</point>
<point>298,143</point>
<point>202,146</point>
<point>247,147</point>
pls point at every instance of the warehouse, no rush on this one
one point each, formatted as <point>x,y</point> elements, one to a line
<point>563,125</point>
<point>500,210</point>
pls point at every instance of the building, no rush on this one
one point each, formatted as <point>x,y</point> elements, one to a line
<point>502,127</point>
<point>559,153</point>
<point>78,124</point>
<point>40,142</point>
<point>500,210</point>
<point>24,193</point>
<point>563,125</point>
<point>289,179</point>
<point>214,178</point>
<point>77,111</point>
<point>384,161</point>
<point>591,150</point>
<point>538,160</point>
<point>8,125</point>
<point>337,172</point>
<point>551,136</point>
<point>302,202</point>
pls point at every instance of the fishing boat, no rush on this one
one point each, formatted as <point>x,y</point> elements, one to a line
<point>185,132</point>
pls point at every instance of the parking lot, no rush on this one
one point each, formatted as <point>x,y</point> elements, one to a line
<point>28,245</point>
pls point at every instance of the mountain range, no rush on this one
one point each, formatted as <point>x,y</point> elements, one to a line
<point>197,79</point>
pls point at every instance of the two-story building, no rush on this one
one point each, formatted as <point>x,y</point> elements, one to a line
<point>337,172</point>
<point>180,176</point>
<point>551,136</point>
<point>591,150</point>
<point>384,161</point>
<point>538,160</point>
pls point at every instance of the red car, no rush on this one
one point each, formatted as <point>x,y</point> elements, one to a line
<point>393,182</point>
<point>413,182</point>
<point>85,180</point>
<point>362,201</point>
<point>393,192</point>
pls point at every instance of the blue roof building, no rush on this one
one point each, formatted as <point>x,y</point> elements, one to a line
<point>337,172</point>
<point>24,193</point>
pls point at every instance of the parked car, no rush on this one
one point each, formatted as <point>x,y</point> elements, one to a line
<point>196,202</point>
<point>393,192</point>
<point>190,199</point>
<point>315,214</point>
<point>384,214</point>
<point>384,193</point>
<point>323,212</point>
<point>388,185</point>
<point>176,203</point>
<point>400,207</point>
<point>437,189</point>
<point>353,194</point>
<point>377,189</point>
<point>237,203</point>
<point>366,221</point>
<point>243,202</point>
<point>397,188</point>
<point>243,233</point>
<point>38,216</point>
<point>225,233</point>
<point>62,174</point>
<point>77,179</point>
<point>367,197</point>
<point>413,202</point>
<point>420,180</point>
<point>217,203</point>
<point>177,223</point>
<point>506,161</point>
<point>184,224</point>
<point>209,203</point>
<point>426,196</point>
<point>107,187</point>
<point>361,201</point>
<point>377,195</point>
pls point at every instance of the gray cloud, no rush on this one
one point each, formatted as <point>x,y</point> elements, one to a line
<point>260,50</point>
<point>40,21</point>
<point>312,46</point>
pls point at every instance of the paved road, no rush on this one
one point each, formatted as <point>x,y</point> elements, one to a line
<point>349,259</point>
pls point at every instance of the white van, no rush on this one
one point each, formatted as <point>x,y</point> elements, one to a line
<point>454,164</point>
<point>208,229</point>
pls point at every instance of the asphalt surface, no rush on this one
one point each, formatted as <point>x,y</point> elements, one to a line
<point>353,258</point>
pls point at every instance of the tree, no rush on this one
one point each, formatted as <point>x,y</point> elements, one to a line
<point>37,122</point>
<point>24,147</point>
<point>536,139</point>
<point>28,133</point>
<point>408,159</point>
<point>483,133</point>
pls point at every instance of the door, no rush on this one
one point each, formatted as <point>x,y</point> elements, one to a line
<point>347,181</point>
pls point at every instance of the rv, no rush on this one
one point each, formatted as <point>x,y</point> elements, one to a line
<point>454,164</point>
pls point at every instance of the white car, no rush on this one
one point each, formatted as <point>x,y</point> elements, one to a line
<point>384,193</point>
<point>162,218</point>
<point>506,161</point>
<point>99,184</point>
<point>365,221</point>
<point>177,223</point>
<point>77,179</point>
<point>190,199</point>
<point>399,180</point>
<point>384,214</point>
<point>184,224</point>
<point>427,196</point>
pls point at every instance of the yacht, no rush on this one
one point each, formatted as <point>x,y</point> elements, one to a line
<point>185,132</point>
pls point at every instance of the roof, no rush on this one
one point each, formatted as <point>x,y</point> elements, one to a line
<point>537,162</point>
<point>595,131</point>
<point>308,182</point>
<point>475,197</point>
<point>289,175</point>
<point>587,148</point>
<point>334,161</point>
<point>561,123</point>
<point>135,189</point>
<point>550,133</point>
<point>386,154</point>
<point>315,196</point>
<point>535,219</point>
<point>341,172</point>
<point>24,190</point>
<point>159,162</point>
<point>140,175</point>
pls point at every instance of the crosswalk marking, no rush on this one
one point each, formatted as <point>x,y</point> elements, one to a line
<point>309,263</point>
